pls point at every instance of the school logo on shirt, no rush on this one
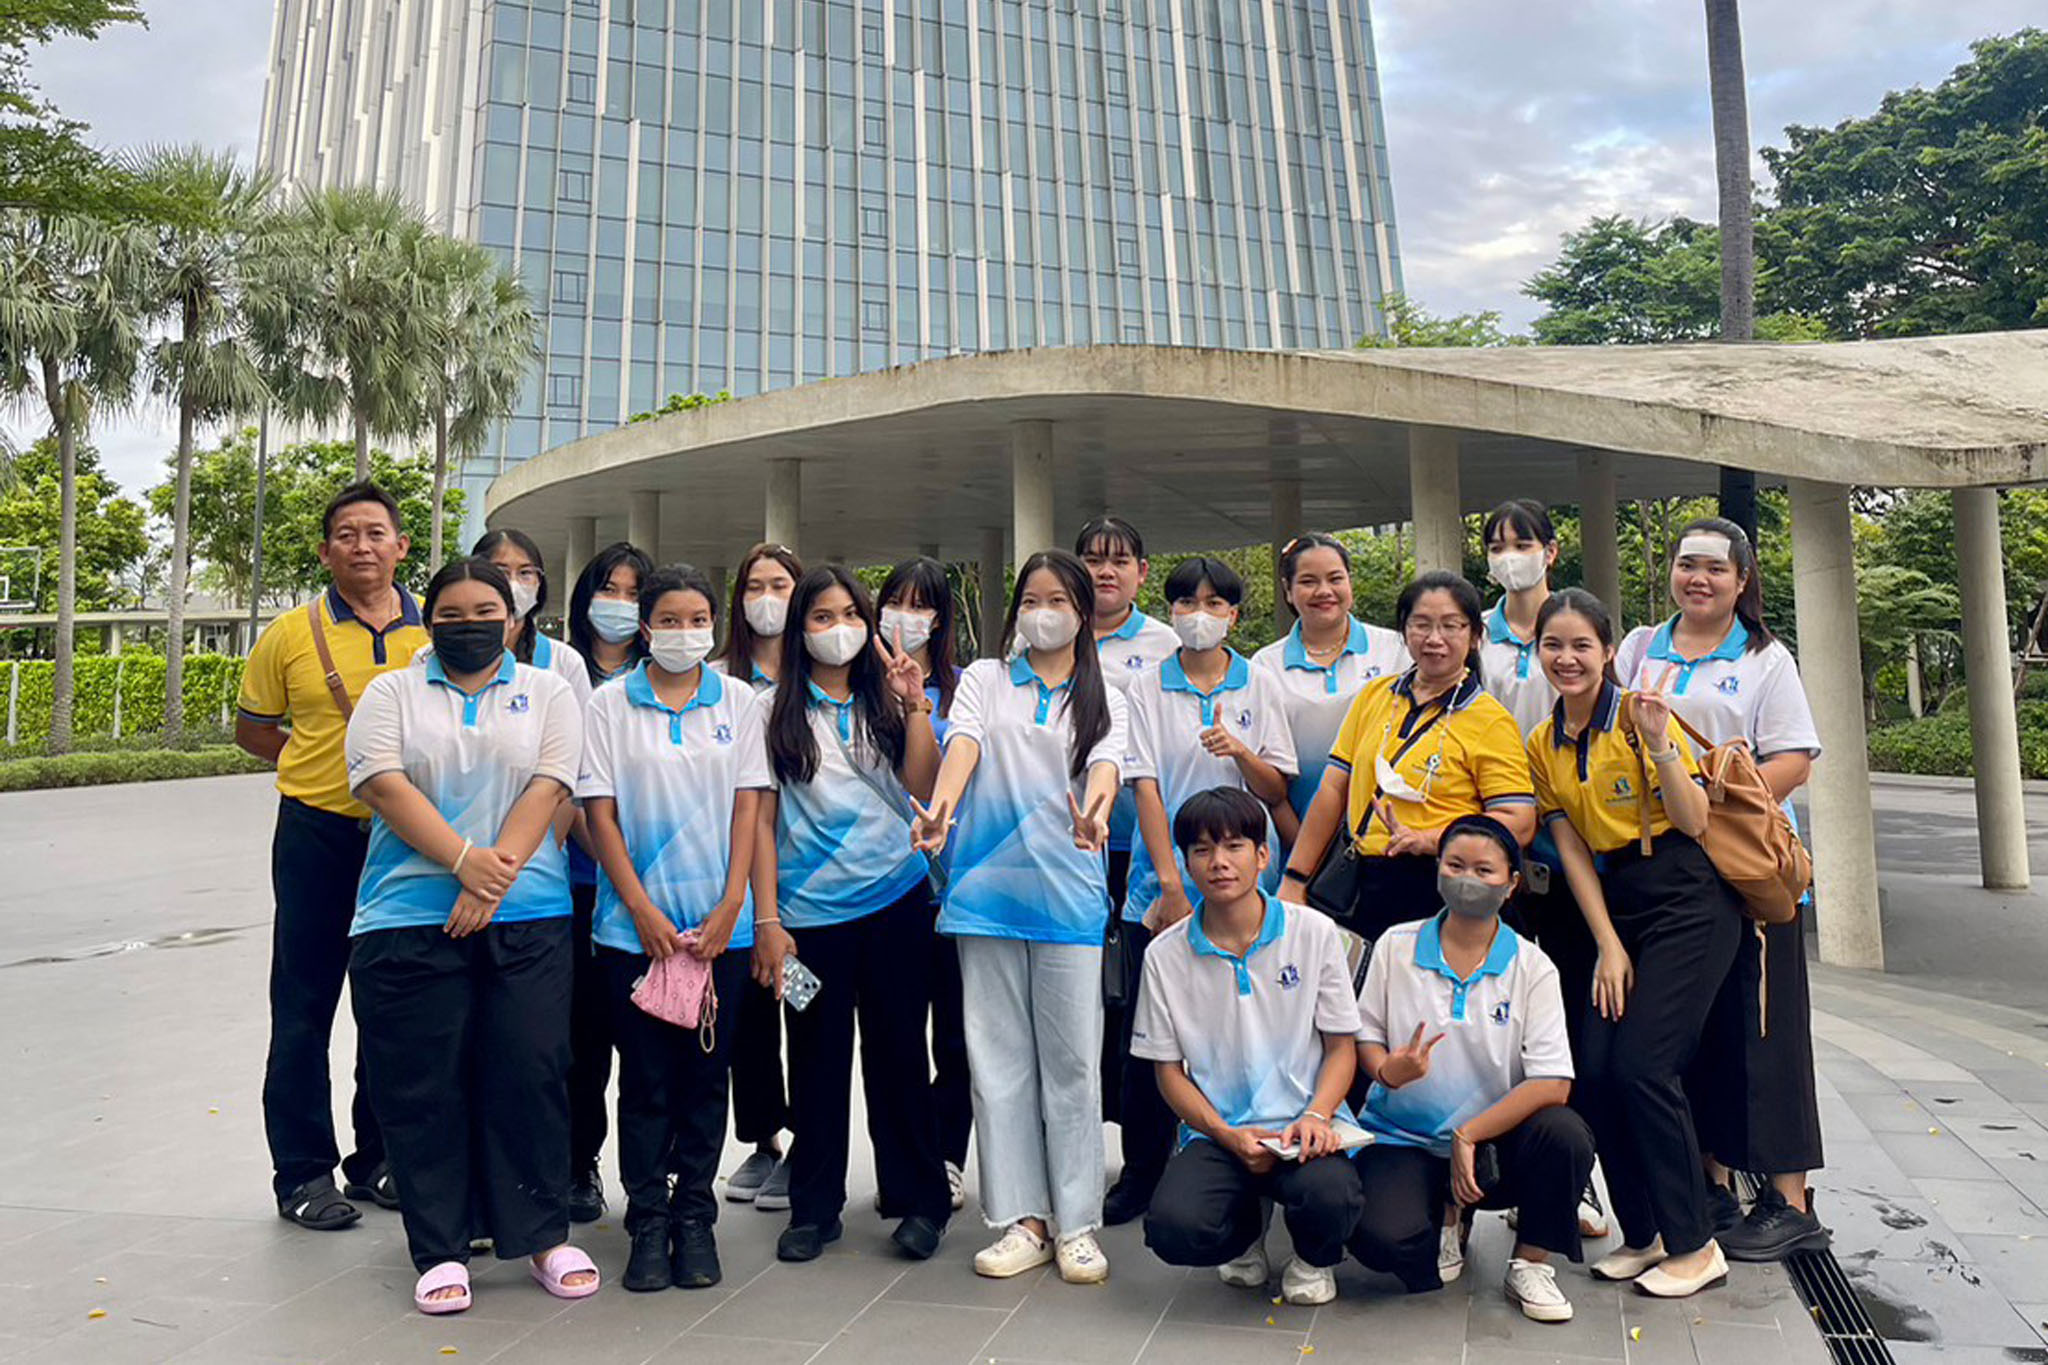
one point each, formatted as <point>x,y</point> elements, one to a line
<point>1134,663</point>
<point>519,704</point>
<point>1622,790</point>
<point>1729,685</point>
<point>722,734</point>
<point>1244,720</point>
<point>1500,1013</point>
<point>1372,671</point>
<point>1290,977</point>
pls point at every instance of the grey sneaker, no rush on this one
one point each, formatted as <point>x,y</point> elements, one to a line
<point>743,1186</point>
<point>774,1193</point>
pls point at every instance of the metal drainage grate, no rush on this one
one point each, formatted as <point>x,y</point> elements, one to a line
<point>1851,1337</point>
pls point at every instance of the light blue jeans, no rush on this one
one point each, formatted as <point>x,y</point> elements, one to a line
<point>1033,1014</point>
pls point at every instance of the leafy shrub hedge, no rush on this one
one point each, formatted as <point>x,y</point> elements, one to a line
<point>1940,745</point>
<point>143,765</point>
<point>211,683</point>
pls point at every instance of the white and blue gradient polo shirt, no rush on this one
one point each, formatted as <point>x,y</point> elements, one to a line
<point>675,775</point>
<point>472,756</point>
<point>562,658</point>
<point>842,852</point>
<point>1317,697</point>
<point>1168,715</point>
<point>1502,1025</point>
<point>1513,674</point>
<point>1128,653</point>
<point>1015,872</point>
<point>1249,1029</point>
<point>1729,693</point>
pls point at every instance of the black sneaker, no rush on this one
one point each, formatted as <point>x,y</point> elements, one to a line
<point>586,1197</point>
<point>1724,1211</point>
<point>1775,1230</point>
<point>807,1241</point>
<point>319,1206</point>
<point>917,1237</point>
<point>647,1267</point>
<point>1125,1203</point>
<point>380,1189</point>
<point>694,1262</point>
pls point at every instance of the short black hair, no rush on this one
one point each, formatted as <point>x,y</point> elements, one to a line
<point>669,578</point>
<point>1113,532</point>
<point>1463,594</point>
<point>349,497</point>
<point>1217,814</point>
<point>1484,827</point>
<point>1189,575</point>
<point>1524,517</point>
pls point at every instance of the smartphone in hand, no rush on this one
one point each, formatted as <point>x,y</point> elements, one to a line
<point>800,985</point>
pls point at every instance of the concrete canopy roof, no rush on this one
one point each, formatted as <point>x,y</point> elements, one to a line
<point>1185,441</point>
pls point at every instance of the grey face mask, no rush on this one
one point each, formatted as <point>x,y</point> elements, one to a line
<point>1469,896</point>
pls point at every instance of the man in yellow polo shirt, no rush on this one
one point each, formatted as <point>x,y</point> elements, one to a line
<point>302,681</point>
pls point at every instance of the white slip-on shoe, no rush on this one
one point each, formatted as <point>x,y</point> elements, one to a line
<point>1450,1253</point>
<point>1626,1263</point>
<point>1592,1218</point>
<point>1019,1249</point>
<point>956,1185</point>
<point>1661,1283</point>
<point>1533,1285</point>
<point>1307,1285</point>
<point>1081,1260</point>
<point>1249,1271</point>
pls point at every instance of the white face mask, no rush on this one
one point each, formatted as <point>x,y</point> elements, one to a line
<point>680,650</point>
<point>767,614</point>
<point>1047,627</point>
<point>908,631</point>
<point>836,644</point>
<point>1198,630</point>
<point>1517,570</point>
<point>525,597</point>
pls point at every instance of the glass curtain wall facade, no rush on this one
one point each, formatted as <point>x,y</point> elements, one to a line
<point>737,195</point>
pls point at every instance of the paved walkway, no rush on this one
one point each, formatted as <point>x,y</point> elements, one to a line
<point>134,1224</point>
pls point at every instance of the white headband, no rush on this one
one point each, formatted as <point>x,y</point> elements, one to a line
<point>1706,545</point>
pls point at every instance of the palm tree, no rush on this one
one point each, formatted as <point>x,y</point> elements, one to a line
<point>486,344</point>
<point>212,209</point>
<point>338,313</point>
<point>1730,98</point>
<point>69,343</point>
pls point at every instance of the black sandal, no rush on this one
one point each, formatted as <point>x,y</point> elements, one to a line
<point>317,1205</point>
<point>381,1190</point>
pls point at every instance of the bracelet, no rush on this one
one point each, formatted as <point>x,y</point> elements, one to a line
<point>1301,877</point>
<point>456,866</point>
<point>772,919</point>
<point>918,708</point>
<point>1312,1114</point>
<point>1670,755</point>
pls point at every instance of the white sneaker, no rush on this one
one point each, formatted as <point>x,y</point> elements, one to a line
<point>1249,1271</point>
<point>1626,1263</point>
<point>956,1183</point>
<point>1307,1285</point>
<point>1019,1249</point>
<point>1592,1219</point>
<point>1081,1260</point>
<point>1534,1286</point>
<point>1450,1253</point>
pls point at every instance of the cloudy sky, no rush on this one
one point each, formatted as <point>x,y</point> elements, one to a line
<point>1510,122</point>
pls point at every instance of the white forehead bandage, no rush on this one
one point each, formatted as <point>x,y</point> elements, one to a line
<point>1706,545</point>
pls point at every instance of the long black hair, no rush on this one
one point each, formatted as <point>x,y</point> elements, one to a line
<point>587,583</point>
<point>1749,602</point>
<point>1462,593</point>
<point>922,582</point>
<point>463,570</point>
<point>1583,604</point>
<point>1087,700</point>
<point>522,542</point>
<point>878,722</point>
<point>739,636</point>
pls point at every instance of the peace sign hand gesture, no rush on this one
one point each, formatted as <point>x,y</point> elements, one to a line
<point>934,822</point>
<point>1409,1062</point>
<point>1653,714</point>
<point>1091,826</point>
<point>900,673</point>
<point>1403,840</point>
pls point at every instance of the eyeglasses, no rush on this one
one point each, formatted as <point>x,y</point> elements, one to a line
<point>1450,629</point>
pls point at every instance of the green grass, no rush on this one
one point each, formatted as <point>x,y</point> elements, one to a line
<point>134,765</point>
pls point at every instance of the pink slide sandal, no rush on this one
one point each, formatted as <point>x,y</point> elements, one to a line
<point>447,1275</point>
<point>557,1265</point>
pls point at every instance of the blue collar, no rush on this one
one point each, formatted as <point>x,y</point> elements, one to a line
<point>1461,696</point>
<point>1294,653</point>
<point>1500,632</point>
<point>507,668</point>
<point>543,649</point>
<point>1733,647</point>
<point>843,710</point>
<point>339,610</point>
<point>1133,623</point>
<point>1021,672</point>
<point>1173,675</point>
<point>1429,953</point>
<point>1606,711</point>
<point>640,690</point>
<point>1270,929</point>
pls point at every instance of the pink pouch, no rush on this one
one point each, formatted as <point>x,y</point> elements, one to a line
<point>677,990</point>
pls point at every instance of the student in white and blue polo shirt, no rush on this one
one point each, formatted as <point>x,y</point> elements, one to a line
<point>1203,718</point>
<point>1247,1017</point>
<point>1032,763</point>
<point>1521,547</point>
<point>849,740</point>
<point>1323,661</point>
<point>461,967</point>
<point>1462,1032</point>
<point>673,771</point>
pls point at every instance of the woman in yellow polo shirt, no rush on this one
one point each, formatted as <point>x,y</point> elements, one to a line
<point>1667,927</point>
<point>1415,752</point>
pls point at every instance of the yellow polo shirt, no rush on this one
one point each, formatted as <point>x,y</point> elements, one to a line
<point>1469,760</point>
<point>284,682</point>
<point>1591,779</point>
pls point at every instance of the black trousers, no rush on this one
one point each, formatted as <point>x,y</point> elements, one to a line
<point>1751,1086</point>
<point>1116,1022</point>
<point>1543,1166</point>
<point>467,1043</point>
<point>1147,1124</point>
<point>874,969</point>
<point>316,859</point>
<point>952,1088</point>
<point>1207,1209</point>
<point>760,1105</point>
<point>1555,922</point>
<point>590,1042</point>
<point>1680,924</point>
<point>671,1095</point>
<point>1392,891</point>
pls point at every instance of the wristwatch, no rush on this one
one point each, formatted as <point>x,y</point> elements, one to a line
<point>922,706</point>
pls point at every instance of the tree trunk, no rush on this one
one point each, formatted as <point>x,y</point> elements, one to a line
<point>174,596</point>
<point>256,530</point>
<point>440,481</point>
<point>63,676</point>
<point>1730,99</point>
<point>362,447</point>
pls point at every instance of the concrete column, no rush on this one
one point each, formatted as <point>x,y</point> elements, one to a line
<point>782,520</point>
<point>1434,500</point>
<point>116,640</point>
<point>721,579</point>
<point>1599,536</point>
<point>1286,526</point>
<point>1031,517</point>
<point>582,548</point>
<point>1844,837</point>
<point>994,595</point>
<point>643,522</point>
<point>1987,657</point>
<point>1915,702</point>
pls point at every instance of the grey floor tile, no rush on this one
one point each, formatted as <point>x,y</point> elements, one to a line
<point>1891,1112</point>
<point>1979,1206</point>
<point>949,1279</point>
<point>1178,1342</point>
<point>415,1338</point>
<point>1731,1343</point>
<point>1937,1154</point>
<point>1595,1329</point>
<point>914,1334</point>
<point>2036,1314</point>
<point>1953,1302</point>
<point>1957,1100</point>
<point>1489,1354</point>
<point>2020,1084</point>
<point>1204,1300</point>
<point>2018,1138</point>
<point>1880,1221</point>
<point>1105,1325</point>
<point>149,1331</point>
<point>1930,1353</point>
<point>805,1302</point>
<point>1373,1321</point>
<point>700,1348</point>
<point>622,1329</point>
<point>2017,1266</point>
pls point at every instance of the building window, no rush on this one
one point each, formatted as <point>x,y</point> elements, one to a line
<point>871,38</point>
<point>583,88</point>
<point>874,223</point>
<point>1127,253</point>
<point>1120,167</point>
<point>565,390</point>
<point>874,130</point>
<point>570,286</point>
<point>575,187</point>
<point>874,317</point>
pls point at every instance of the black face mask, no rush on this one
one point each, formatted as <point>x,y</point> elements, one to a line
<point>468,646</point>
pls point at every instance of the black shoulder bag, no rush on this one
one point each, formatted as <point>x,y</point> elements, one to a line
<point>1333,888</point>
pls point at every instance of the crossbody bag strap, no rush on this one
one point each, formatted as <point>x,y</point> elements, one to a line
<point>335,687</point>
<point>1635,746</point>
<point>1372,802</point>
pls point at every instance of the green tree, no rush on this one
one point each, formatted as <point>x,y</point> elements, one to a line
<point>1409,324</point>
<point>112,532</point>
<point>1928,216</point>
<point>1628,280</point>
<point>45,163</point>
<point>223,512</point>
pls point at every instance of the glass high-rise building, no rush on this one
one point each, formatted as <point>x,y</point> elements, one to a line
<point>747,194</point>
